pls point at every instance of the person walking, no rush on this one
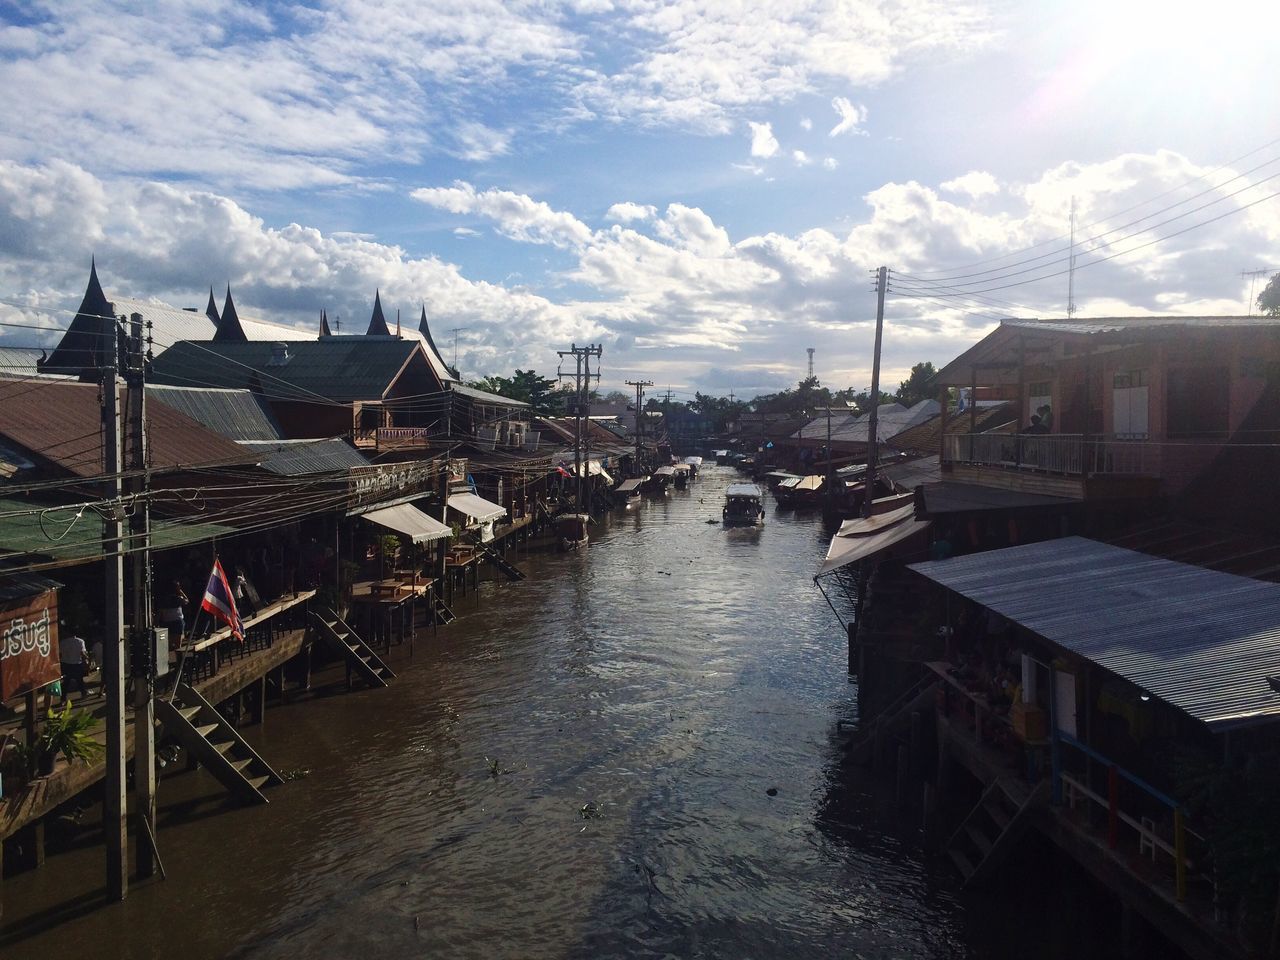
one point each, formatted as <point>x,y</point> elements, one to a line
<point>74,655</point>
<point>171,603</point>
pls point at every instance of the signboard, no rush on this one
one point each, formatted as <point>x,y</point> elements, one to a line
<point>29,644</point>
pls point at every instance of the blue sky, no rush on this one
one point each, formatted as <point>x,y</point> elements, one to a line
<point>700,187</point>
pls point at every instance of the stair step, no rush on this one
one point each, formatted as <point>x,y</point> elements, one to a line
<point>257,782</point>
<point>207,728</point>
<point>188,712</point>
<point>241,764</point>
<point>962,862</point>
<point>999,814</point>
<point>980,839</point>
<point>224,746</point>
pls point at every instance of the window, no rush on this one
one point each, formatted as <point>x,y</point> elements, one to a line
<point>1130,399</point>
<point>1040,402</point>
<point>1198,402</point>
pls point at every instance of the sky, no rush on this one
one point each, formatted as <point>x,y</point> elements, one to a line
<point>705,189</point>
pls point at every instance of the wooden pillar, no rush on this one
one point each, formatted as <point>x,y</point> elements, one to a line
<point>258,712</point>
<point>944,394</point>
<point>973,399</point>
<point>30,840</point>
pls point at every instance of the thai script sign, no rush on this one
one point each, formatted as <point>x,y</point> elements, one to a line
<point>378,483</point>
<point>29,644</point>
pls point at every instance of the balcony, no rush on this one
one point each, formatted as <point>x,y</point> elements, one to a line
<point>389,439</point>
<point>1062,464</point>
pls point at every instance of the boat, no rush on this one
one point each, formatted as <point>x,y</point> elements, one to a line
<point>695,464</point>
<point>680,479</point>
<point>775,477</point>
<point>784,492</point>
<point>571,528</point>
<point>807,494</point>
<point>628,491</point>
<point>659,480</point>
<point>743,505</point>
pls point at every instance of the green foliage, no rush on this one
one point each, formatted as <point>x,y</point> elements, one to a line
<point>526,385</point>
<point>918,386</point>
<point>1269,298</point>
<point>67,733</point>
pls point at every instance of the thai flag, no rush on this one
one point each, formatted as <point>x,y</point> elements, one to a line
<point>220,603</point>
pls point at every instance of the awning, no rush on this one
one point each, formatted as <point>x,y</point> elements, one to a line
<point>413,523</point>
<point>626,486</point>
<point>477,508</point>
<point>694,461</point>
<point>681,468</point>
<point>865,538</point>
<point>664,471</point>
<point>1202,641</point>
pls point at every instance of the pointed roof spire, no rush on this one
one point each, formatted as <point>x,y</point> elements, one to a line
<point>229,329</point>
<point>211,311</point>
<point>442,369</point>
<point>398,333</point>
<point>426,330</point>
<point>324,324</point>
<point>81,347</point>
<point>377,323</point>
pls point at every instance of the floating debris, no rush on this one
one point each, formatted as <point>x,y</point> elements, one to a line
<point>589,811</point>
<point>772,791</point>
<point>297,773</point>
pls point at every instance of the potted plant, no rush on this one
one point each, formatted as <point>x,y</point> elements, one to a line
<point>67,733</point>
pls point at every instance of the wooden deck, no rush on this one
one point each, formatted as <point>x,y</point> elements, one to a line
<point>42,795</point>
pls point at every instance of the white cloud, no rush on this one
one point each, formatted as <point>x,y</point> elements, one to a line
<point>975,183</point>
<point>627,212</point>
<point>465,232</point>
<point>806,124</point>
<point>742,303</point>
<point>852,116</point>
<point>830,163</point>
<point>801,158</point>
<point>763,142</point>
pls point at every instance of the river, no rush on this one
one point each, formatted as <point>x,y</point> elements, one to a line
<point>628,754</point>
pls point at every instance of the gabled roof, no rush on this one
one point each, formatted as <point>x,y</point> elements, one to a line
<point>423,333</point>
<point>377,323</point>
<point>340,369</point>
<point>82,345</point>
<point>60,422</point>
<point>997,357</point>
<point>923,437</point>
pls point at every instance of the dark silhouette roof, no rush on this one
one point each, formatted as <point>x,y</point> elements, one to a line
<point>82,346</point>
<point>338,369</point>
<point>378,323</point>
<point>324,324</point>
<point>211,310</point>
<point>229,329</point>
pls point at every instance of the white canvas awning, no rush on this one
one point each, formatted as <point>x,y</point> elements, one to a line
<point>872,536</point>
<point>412,522</point>
<point>477,508</point>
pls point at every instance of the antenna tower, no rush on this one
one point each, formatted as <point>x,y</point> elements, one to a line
<point>809,350</point>
<point>1071,266</point>
<point>1253,276</point>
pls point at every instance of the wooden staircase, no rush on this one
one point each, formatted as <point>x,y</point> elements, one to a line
<point>893,721</point>
<point>443,613</point>
<point>502,563</point>
<point>988,834</point>
<point>346,643</point>
<point>212,740</point>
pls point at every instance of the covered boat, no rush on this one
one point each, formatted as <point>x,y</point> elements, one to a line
<point>683,472</point>
<point>660,479</point>
<point>628,491</point>
<point>744,504</point>
<point>571,528</point>
<point>695,464</point>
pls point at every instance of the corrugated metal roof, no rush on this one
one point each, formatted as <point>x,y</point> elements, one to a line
<point>63,534</point>
<point>294,458</point>
<point>335,368</point>
<point>19,361</point>
<point>234,414</point>
<point>15,586</point>
<point>950,497</point>
<point>60,421</point>
<point>485,397</point>
<point>891,419</point>
<point>1116,324</point>
<point>1199,640</point>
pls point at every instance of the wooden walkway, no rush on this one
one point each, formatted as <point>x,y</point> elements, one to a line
<point>42,795</point>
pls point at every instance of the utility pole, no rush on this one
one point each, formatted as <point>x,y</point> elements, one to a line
<point>582,410</point>
<point>115,804</point>
<point>1253,276</point>
<point>639,385</point>
<point>142,589</point>
<point>1071,266</point>
<point>882,281</point>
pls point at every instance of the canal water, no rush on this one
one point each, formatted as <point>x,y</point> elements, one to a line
<point>629,754</point>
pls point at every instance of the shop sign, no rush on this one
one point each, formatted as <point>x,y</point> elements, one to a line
<point>29,644</point>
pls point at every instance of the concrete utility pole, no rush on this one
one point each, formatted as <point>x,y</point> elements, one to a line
<point>582,410</point>
<point>882,282</point>
<point>115,804</point>
<point>639,385</point>
<point>142,589</point>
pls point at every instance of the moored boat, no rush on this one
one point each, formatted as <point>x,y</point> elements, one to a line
<point>743,505</point>
<point>628,491</point>
<point>571,528</point>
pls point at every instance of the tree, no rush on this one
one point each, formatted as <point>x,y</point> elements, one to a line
<point>918,386</point>
<point>615,396</point>
<point>539,392</point>
<point>1269,298</point>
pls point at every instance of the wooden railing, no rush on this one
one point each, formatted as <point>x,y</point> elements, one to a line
<point>1062,453</point>
<point>393,437</point>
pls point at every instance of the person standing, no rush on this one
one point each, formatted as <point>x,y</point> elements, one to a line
<point>170,614</point>
<point>74,656</point>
